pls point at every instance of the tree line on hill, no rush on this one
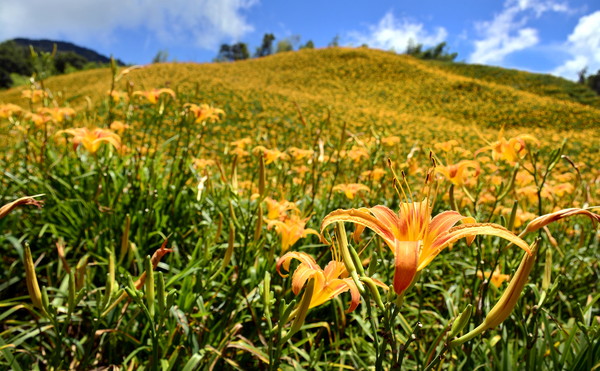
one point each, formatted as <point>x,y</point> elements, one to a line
<point>592,80</point>
<point>240,51</point>
<point>21,58</point>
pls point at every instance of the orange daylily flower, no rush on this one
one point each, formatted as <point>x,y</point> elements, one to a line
<point>118,126</point>
<point>241,143</point>
<point>291,230</point>
<point>153,95</point>
<point>497,277</point>
<point>92,139</point>
<point>329,282</point>
<point>38,120</point>
<point>390,141</point>
<point>277,210</point>
<point>201,163</point>
<point>204,112</point>
<point>58,114</point>
<point>118,95</point>
<point>34,95</point>
<point>8,110</point>
<point>446,146</point>
<point>300,154</point>
<point>510,150</point>
<point>356,154</point>
<point>375,174</point>
<point>239,152</point>
<point>270,155</point>
<point>414,237</point>
<point>456,173</point>
<point>350,190</point>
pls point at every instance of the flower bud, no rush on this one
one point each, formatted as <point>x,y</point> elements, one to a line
<point>31,279</point>
<point>149,285</point>
<point>508,300</point>
<point>461,321</point>
<point>302,309</point>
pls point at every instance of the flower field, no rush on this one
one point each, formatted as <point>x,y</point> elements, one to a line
<point>321,209</point>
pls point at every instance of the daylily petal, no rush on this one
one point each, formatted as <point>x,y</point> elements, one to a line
<point>354,294</point>
<point>300,276</point>
<point>406,256</point>
<point>330,290</point>
<point>442,223</point>
<point>303,257</point>
<point>357,232</point>
<point>334,269</point>
<point>468,230</point>
<point>544,220</point>
<point>308,231</point>
<point>388,218</point>
<point>361,217</point>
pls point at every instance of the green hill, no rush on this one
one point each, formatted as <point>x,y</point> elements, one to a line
<point>537,83</point>
<point>361,87</point>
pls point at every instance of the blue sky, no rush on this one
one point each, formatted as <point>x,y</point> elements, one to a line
<point>554,36</point>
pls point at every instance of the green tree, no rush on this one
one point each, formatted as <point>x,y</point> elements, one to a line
<point>288,44</point>
<point>593,81</point>
<point>284,46</point>
<point>13,59</point>
<point>235,52</point>
<point>309,45</point>
<point>65,59</point>
<point>437,52</point>
<point>161,56</point>
<point>266,47</point>
<point>334,42</point>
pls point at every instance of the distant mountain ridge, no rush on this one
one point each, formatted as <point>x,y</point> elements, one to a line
<point>63,46</point>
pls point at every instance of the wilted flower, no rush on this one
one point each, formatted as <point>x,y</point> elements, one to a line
<point>27,200</point>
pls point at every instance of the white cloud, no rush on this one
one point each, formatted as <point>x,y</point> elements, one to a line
<point>507,32</point>
<point>396,34</point>
<point>583,45</point>
<point>203,23</point>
